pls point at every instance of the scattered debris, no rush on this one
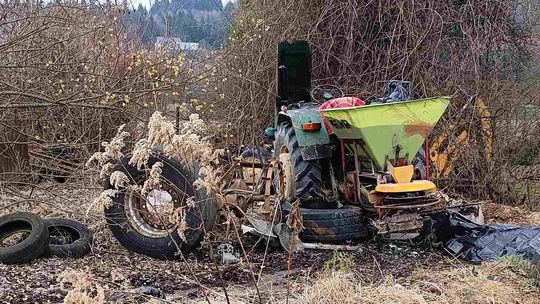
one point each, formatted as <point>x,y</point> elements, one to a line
<point>399,226</point>
<point>287,238</point>
<point>151,291</point>
<point>227,254</point>
<point>333,247</point>
<point>260,228</point>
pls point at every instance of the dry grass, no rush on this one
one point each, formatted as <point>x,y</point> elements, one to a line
<point>509,280</point>
<point>506,281</point>
<point>497,213</point>
<point>346,287</point>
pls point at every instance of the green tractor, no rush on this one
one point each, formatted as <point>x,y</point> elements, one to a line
<point>351,165</point>
<point>340,155</point>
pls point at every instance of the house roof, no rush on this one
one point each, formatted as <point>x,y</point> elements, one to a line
<point>174,43</point>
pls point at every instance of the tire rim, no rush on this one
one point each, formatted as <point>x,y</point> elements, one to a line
<point>151,215</point>
<point>286,183</point>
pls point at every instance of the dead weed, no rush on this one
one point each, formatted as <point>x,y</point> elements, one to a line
<point>497,213</point>
<point>509,280</point>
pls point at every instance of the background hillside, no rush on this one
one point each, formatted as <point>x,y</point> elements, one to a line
<point>204,21</point>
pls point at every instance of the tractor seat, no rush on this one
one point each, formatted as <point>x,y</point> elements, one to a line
<point>342,102</point>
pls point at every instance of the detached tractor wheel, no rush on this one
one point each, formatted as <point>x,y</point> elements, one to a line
<point>145,223</point>
<point>301,178</point>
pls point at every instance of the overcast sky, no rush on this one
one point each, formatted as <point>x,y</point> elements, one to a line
<point>146,3</point>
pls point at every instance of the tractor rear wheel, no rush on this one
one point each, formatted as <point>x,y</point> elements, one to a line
<point>304,175</point>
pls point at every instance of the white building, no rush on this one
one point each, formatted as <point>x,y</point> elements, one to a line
<point>175,45</point>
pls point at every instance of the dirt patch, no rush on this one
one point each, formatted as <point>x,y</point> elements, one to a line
<point>122,273</point>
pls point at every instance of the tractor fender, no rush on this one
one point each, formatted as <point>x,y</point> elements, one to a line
<point>313,144</point>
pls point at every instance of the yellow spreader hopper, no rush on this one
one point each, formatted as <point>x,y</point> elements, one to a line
<point>384,138</point>
<point>388,135</point>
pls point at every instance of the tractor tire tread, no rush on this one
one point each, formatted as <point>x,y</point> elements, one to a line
<point>307,173</point>
<point>332,230</point>
<point>333,223</point>
<point>330,225</point>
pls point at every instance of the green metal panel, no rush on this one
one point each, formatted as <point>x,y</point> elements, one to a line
<point>307,115</point>
<point>383,126</point>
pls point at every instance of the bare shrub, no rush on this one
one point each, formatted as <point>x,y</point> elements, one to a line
<point>72,73</point>
<point>465,49</point>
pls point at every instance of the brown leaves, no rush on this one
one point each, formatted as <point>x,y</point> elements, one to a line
<point>83,288</point>
<point>295,220</point>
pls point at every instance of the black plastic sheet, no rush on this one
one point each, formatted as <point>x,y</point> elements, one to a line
<point>477,243</point>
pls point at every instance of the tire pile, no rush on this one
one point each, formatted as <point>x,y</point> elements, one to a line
<point>25,236</point>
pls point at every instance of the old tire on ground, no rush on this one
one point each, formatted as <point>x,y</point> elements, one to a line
<point>68,238</point>
<point>35,237</point>
<point>138,224</point>
<point>306,174</point>
<point>331,225</point>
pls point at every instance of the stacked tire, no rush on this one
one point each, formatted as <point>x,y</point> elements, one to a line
<point>25,236</point>
<point>335,225</point>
